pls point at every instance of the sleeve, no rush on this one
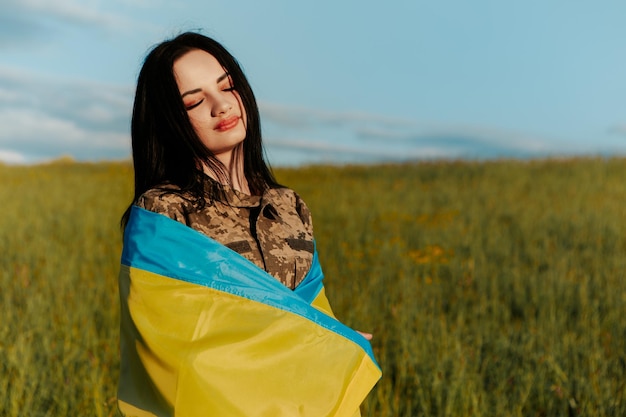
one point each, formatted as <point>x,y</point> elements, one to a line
<point>166,202</point>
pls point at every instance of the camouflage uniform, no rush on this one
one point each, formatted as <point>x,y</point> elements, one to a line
<point>274,230</point>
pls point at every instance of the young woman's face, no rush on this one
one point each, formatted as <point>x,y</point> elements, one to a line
<point>213,106</point>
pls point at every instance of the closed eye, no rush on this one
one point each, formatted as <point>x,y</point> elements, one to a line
<point>227,85</point>
<point>194,105</point>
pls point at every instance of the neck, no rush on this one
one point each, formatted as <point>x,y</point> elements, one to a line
<point>233,162</point>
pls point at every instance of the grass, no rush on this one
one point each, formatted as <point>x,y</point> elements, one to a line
<point>492,288</point>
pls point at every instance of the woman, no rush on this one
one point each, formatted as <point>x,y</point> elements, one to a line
<point>223,307</point>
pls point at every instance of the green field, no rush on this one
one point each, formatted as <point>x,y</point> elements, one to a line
<point>492,288</point>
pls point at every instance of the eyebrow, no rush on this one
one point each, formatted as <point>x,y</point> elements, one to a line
<point>197,90</point>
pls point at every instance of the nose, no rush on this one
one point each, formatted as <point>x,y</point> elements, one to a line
<point>220,107</point>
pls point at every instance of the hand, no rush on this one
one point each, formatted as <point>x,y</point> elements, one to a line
<point>367,336</point>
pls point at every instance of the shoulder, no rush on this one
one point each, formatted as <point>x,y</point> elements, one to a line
<point>288,200</point>
<point>167,200</point>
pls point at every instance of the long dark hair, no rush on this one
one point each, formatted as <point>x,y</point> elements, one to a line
<point>166,149</point>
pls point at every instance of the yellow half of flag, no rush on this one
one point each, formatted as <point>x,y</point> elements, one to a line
<point>205,332</point>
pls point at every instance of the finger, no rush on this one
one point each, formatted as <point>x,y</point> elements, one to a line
<point>367,336</point>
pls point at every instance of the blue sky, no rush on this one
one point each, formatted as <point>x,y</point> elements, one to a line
<point>336,81</point>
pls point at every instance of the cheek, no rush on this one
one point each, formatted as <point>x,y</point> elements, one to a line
<point>242,110</point>
<point>202,129</point>
<point>198,122</point>
<point>194,123</point>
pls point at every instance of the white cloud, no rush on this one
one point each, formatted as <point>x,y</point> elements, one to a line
<point>32,126</point>
<point>45,117</point>
<point>304,116</point>
<point>71,11</point>
<point>620,129</point>
<point>11,157</point>
<point>34,134</point>
<point>317,146</point>
<point>464,135</point>
<point>353,134</point>
<point>8,96</point>
<point>339,152</point>
<point>37,14</point>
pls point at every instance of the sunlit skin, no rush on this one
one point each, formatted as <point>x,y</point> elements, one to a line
<point>367,336</point>
<point>214,109</point>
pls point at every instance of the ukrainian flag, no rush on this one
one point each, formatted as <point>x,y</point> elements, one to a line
<point>205,332</point>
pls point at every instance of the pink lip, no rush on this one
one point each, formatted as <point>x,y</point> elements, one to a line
<point>227,124</point>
